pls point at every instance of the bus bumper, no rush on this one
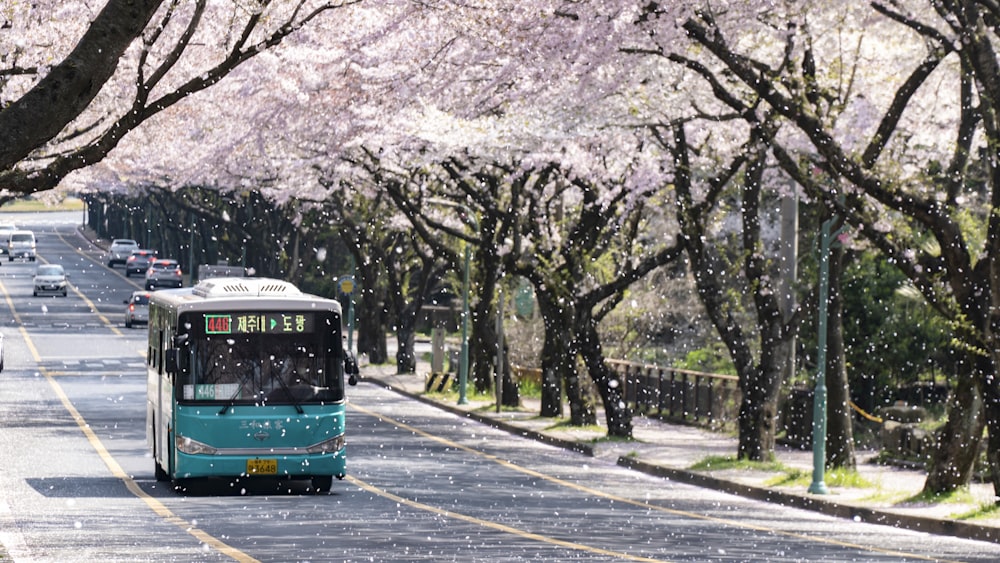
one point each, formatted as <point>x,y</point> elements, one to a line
<point>304,466</point>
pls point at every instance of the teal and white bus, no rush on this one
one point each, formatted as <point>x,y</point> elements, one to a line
<point>246,380</point>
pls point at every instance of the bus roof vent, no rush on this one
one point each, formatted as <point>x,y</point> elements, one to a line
<point>244,287</point>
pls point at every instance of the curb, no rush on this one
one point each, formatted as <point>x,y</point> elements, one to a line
<point>830,508</point>
<point>584,449</point>
<point>923,524</point>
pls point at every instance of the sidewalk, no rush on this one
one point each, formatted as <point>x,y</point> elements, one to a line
<point>669,451</point>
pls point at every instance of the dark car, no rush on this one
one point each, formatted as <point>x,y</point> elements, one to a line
<point>138,262</point>
<point>164,272</point>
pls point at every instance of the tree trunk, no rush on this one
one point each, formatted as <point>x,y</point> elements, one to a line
<point>371,317</point>
<point>616,413</point>
<point>406,358</point>
<point>581,408</point>
<point>957,442</point>
<point>757,419</point>
<point>511,393</point>
<point>555,359</point>
<point>483,345</point>
<point>839,429</point>
<point>991,408</point>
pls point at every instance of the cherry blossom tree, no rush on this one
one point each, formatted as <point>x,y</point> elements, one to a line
<point>423,82</point>
<point>131,60</point>
<point>902,124</point>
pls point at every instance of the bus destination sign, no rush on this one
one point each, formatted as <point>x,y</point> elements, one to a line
<point>259,323</point>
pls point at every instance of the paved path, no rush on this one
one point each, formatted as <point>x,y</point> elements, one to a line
<point>670,450</point>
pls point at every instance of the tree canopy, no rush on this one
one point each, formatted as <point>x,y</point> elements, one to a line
<point>881,113</point>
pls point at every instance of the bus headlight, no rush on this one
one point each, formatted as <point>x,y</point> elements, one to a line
<point>189,446</point>
<point>334,444</point>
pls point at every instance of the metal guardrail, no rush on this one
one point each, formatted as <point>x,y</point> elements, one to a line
<point>681,395</point>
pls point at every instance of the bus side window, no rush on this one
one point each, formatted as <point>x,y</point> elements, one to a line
<point>158,351</point>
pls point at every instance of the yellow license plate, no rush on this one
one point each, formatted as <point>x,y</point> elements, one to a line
<point>262,467</point>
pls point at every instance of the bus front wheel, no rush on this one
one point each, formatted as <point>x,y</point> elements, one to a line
<point>158,471</point>
<point>161,475</point>
<point>323,483</point>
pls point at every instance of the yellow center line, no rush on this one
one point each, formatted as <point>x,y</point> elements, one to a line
<point>494,525</point>
<point>155,505</point>
<point>107,322</point>
<point>643,504</point>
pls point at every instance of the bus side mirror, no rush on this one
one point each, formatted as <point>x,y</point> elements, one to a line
<point>174,361</point>
<point>351,369</point>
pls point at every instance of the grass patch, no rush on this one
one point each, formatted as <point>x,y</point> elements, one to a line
<point>717,462</point>
<point>791,478</point>
<point>839,477</point>
<point>443,396</point>
<point>850,478</point>
<point>492,407</point>
<point>613,440</point>
<point>961,495</point>
<point>564,424</point>
<point>984,511</point>
<point>529,388</point>
<point>30,204</point>
<point>885,497</point>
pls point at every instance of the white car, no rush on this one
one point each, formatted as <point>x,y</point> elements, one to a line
<point>120,250</point>
<point>50,279</point>
<point>5,230</point>
<point>21,244</point>
<point>137,309</point>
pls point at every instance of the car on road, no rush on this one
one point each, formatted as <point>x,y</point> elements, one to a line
<point>5,230</point>
<point>1,351</point>
<point>164,272</point>
<point>138,261</point>
<point>50,279</point>
<point>120,250</point>
<point>21,244</point>
<point>137,309</point>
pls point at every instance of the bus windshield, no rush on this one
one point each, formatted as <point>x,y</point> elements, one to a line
<point>262,369</point>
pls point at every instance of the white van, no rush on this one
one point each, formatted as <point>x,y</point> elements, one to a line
<point>21,244</point>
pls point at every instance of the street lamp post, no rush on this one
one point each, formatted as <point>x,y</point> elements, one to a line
<point>463,365</point>
<point>818,486</point>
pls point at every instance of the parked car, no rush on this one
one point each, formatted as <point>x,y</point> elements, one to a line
<point>138,262</point>
<point>137,309</point>
<point>120,250</point>
<point>50,279</point>
<point>164,272</point>
<point>5,230</point>
<point>21,244</point>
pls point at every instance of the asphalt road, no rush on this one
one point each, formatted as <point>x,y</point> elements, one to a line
<point>76,482</point>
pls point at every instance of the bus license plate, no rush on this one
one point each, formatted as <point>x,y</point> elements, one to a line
<point>262,467</point>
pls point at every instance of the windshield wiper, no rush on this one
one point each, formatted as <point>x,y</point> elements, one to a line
<point>288,392</point>
<point>232,400</point>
